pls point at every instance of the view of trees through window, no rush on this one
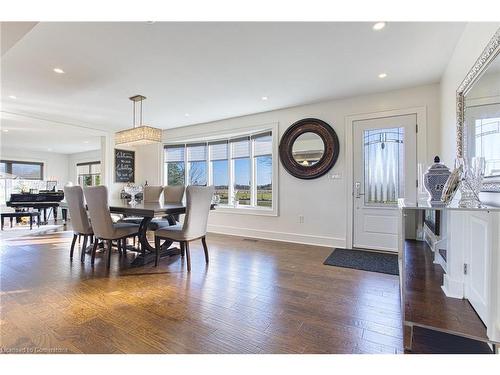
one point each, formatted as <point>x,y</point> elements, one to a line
<point>89,174</point>
<point>241,169</point>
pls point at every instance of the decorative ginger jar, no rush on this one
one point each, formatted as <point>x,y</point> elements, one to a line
<point>434,180</point>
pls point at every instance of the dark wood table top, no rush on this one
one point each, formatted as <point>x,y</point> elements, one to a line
<point>121,206</point>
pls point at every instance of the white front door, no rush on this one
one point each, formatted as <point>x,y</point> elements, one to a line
<point>385,164</point>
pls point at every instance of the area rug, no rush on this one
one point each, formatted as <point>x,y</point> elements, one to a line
<point>364,260</point>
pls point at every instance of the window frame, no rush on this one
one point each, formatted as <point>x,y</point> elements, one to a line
<point>89,164</point>
<point>250,132</point>
<point>8,167</point>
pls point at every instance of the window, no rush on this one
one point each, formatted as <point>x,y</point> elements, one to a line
<point>384,179</point>
<point>240,169</point>
<point>197,164</point>
<point>174,168</point>
<point>263,162</point>
<point>486,144</point>
<point>19,176</point>
<point>22,169</point>
<point>240,159</point>
<point>89,174</point>
<point>220,169</point>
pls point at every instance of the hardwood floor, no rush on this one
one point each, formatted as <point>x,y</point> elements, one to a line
<point>254,297</point>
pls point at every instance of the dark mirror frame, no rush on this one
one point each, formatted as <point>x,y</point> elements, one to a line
<point>330,155</point>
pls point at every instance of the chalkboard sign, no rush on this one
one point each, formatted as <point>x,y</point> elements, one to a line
<point>124,166</point>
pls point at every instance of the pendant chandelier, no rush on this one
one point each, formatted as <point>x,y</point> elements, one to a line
<point>140,134</point>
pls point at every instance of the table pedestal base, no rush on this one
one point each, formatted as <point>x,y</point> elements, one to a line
<point>149,257</point>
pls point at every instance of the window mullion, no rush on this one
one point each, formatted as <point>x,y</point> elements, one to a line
<point>186,167</point>
<point>253,187</point>
<point>230,167</point>
<point>210,177</point>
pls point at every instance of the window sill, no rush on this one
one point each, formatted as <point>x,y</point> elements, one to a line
<point>241,210</point>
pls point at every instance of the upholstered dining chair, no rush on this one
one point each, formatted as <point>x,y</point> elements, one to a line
<point>104,228</point>
<point>79,218</point>
<point>171,195</point>
<point>198,202</point>
<point>151,194</point>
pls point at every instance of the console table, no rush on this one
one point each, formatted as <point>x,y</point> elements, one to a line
<point>454,287</point>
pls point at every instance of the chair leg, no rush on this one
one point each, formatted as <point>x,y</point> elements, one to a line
<point>84,246</point>
<point>110,247</point>
<point>157,250</point>
<point>119,246</point>
<point>188,256</point>
<point>94,250</point>
<point>124,246</point>
<point>183,249</point>
<point>205,248</point>
<point>72,246</point>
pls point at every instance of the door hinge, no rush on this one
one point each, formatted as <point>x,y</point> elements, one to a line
<point>465,268</point>
<point>416,128</point>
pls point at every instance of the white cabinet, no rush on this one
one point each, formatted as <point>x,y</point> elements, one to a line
<point>473,263</point>
<point>477,260</point>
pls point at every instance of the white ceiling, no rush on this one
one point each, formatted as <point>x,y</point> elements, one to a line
<point>211,70</point>
<point>22,133</point>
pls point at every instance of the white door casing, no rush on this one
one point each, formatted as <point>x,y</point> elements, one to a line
<point>374,208</point>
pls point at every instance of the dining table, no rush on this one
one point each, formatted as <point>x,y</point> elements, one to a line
<point>147,212</point>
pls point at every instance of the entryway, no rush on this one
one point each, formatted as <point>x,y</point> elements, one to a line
<point>384,169</point>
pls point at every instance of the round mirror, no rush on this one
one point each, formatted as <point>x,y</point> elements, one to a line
<point>307,149</point>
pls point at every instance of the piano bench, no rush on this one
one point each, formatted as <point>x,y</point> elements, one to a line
<point>12,215</point>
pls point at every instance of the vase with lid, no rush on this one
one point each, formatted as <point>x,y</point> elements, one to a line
<point>434,180</point>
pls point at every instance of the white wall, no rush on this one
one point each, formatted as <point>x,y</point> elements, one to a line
<point>322,201</point>
<point>55,165</point>
<point>80,157</point>
<point>470,46</point>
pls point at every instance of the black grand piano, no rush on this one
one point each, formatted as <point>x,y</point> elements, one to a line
<point>42,201</point>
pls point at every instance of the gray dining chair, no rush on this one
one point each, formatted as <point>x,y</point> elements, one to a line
<point>171,195</point>
<point>104,228</point>
<point>151,194</point>
<point>79,218</point>
<point>198,202</point>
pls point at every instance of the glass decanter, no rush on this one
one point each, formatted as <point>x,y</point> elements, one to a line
<point>471,181</point>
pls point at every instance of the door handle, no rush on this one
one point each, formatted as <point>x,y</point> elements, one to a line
<point>357,190</point>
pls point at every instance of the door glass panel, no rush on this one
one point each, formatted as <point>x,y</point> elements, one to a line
<point>384,162</point>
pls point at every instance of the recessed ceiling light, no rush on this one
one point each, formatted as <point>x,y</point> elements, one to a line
<point>264,98</point>
<point>382,75</point>
<point>186,114</point>
<point>6,130</point>
<point>58,70</point>
<point>49,149</point>
<point>379,26</point>
<point>85,141</point>
<point>12,96</point>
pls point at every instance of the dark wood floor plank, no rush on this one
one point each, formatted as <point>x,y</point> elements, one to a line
<point>254,297</point>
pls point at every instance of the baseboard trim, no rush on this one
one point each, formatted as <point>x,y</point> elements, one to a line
<point>452,288</point>
<point>305,239</point>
